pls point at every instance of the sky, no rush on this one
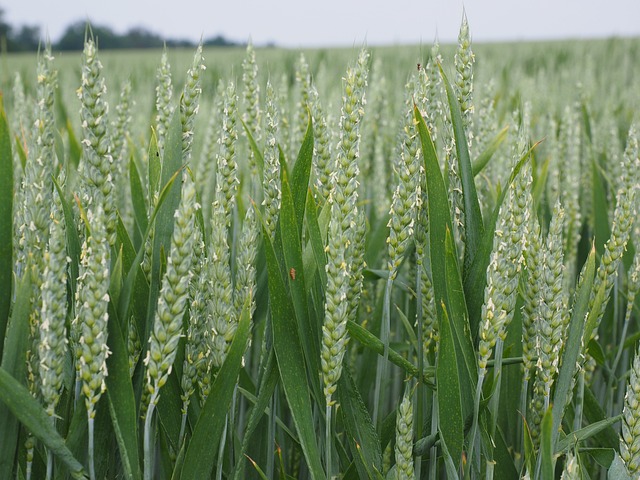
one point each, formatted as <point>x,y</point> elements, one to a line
<point>302,23</point>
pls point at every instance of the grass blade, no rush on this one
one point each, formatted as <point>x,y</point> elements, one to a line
<point>359,428</point>
<point>585,433</point>
<point>373,343</point>
<point>309,332</point>
<point>474,227</point>
<point>449,392</point>
<point>475,278</point>
<point>547,462</point>
<point>6,221</point>
<point>14,364</point>
<point>486,155</point>
<point>572,345</point>
<point>267,387</point>
<point>201,453</point>
<point>19,401</point>
<point>439,214</point>
<point>460,329</point>
<point>300,175</point>
<point>122,406</point>
<point>286,343</point>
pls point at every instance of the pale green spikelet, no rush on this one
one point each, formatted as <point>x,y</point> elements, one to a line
<point>226,175</point>
<point>121,127</point>
<point>569,185</point>
<point>92,301</point>
<point>342,228</point>
<point>206,166</point>
<point>621,227</point>
<point>98,165</point>
<point>172,300</point>
<point>504,265</point>
<point>303,82</point>
<point>245,281</point>
<point>189,102</point>
<point>425,286</point>
<point>322,146</point>
<point>534,260</point>
<point>37,188</point>
<point>551,318</point>
<point>21,119</point>
<point>196,348</point>
<point>223,316</point>
<point>463,62</point>
<point>271,175</point>
<point>222,313</point>
<point>18,122</point>
<point>38,197</point>
<point>334,330</point>
<point>630,425</point>
<point>357,264</point>
<point>134,346</point>
<point>571,470</point>
<point>406,197</point>
<point>380,189</point>
<point>404,438</point>
<point>164,105</point>
<point>434,108</point>
<point>553,308</point>
<point>200,349</point>
<point>252,116</point>
<point>386,459</point>
<point>52,346</point>
<point>286,113</point>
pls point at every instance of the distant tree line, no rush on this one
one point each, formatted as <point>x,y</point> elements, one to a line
<point>27,38</point>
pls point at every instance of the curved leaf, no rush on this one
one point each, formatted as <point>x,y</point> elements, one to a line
<point>486,155</point>
<point>122,406</point>
<point>286,343</point>
<point>373,343</point>
<point>301,172</point>
<point>6,221</point>
<point>475,277</point>
<point>292,252</point>
<point>449,392</point>
<point>202,451</point>
<point>473,225</point>
<point>16,343</point>
<point>573,344</point>
<point>359,427</point>
<point>31,414</point>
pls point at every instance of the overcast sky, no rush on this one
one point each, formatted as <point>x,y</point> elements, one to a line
<point>302,23</point>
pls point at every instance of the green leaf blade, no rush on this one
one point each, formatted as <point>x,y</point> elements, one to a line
<point>6,221</point>
<point>473,224</point>
<point>201,453</point>
<point>289,355</point>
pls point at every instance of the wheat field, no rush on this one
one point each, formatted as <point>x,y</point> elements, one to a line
<point>377,262</point>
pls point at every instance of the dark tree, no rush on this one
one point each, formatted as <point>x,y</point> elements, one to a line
<point>73,37</point>
<point>140,37</point>
<point>5,30</point>
<point>26,39</point>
